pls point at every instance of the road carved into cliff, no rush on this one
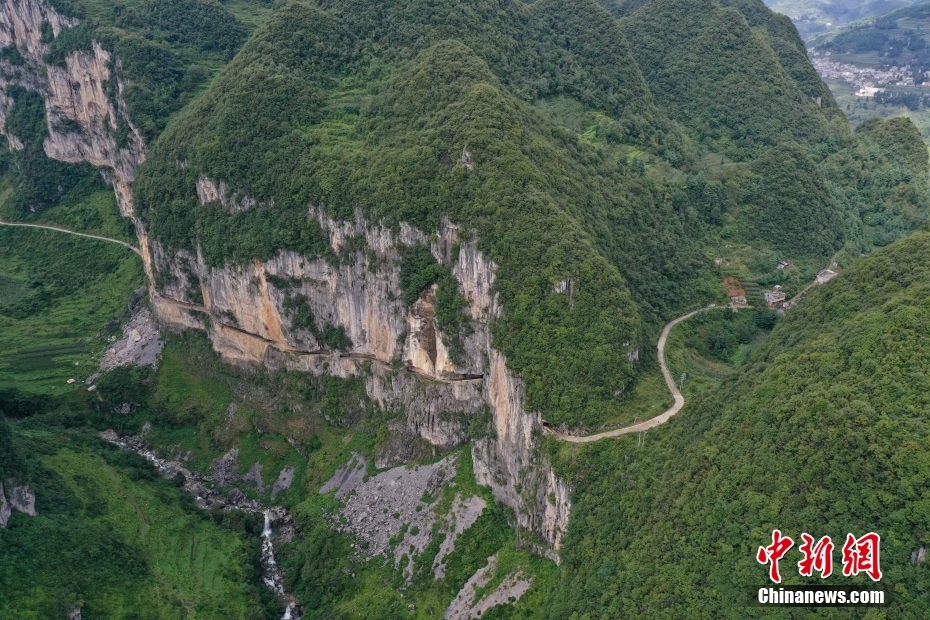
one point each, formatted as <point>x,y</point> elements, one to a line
<point>71,232</point>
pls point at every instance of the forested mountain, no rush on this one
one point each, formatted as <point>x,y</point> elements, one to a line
<point>403,237</point>
<point>744,102</point>
<point>824,431</point>
<point>383,145</point>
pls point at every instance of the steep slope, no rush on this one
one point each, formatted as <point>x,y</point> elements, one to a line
<point>166,50</point>
<point>328,151</point>
<point>824,432</point>
<point>98,532</point>
<point>478,214</point>
<point>720,77</point>
<point>787,204</point>
<point>879,179</point>
<point>775,29</point>
<point>782,36</point>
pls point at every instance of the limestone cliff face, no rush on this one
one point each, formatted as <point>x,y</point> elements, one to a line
<point>272,312</point>
<point>510,461</point>
<point>254,312</point>
<point>76,93</point>
<point>21,24</point>
<point>16,497</point>
<point>82,121</point>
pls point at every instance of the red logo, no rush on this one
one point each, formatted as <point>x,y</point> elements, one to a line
<point>861,556</point>
<point>817,557</point>
<point>773,553</point>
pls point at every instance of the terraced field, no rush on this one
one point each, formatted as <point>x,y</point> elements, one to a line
<point>61,297</point>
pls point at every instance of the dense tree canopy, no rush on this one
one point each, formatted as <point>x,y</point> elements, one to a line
<point>824,431</point>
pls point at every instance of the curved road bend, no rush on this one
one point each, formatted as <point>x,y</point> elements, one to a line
<point>71,232</point>
<point>669,381</point>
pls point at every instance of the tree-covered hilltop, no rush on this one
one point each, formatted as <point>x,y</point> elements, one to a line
<point>786,203</point>
<point>633,159</point>
<point>774,29</point>
<point>615,154</point>
<point>358,126</point>
<point>879,180</point>
<point>716,74</point>
<point>824,431</point>
<point>369,106</point>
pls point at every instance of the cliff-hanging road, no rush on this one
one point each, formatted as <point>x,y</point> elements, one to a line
<point>626,430</point>
<point>71,232</point>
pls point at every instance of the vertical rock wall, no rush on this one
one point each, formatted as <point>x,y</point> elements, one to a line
<point>75,96</point>
<point>411,370</point>
<point>251,317</point>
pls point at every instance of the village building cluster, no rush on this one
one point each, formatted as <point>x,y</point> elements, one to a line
<point>776,298</point>
<point>868,79</point>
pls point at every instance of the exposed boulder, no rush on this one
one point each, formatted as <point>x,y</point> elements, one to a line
<point>5,510</point>
<point>16,497</point>
<point>22,499</point>
<point>284,481</point>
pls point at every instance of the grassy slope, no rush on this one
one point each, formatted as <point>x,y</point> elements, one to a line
<point>115,539</point>
<point>823,432</point>
<point>57,293</point>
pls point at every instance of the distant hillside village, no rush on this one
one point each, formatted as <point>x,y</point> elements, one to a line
<point>867,79</point>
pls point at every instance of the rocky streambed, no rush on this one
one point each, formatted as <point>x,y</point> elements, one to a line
<point>278,527</point>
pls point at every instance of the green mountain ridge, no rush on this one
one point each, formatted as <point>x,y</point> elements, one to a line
<point>522,194</point>
<point>614,161</point>
<point>368,125</point>
<point>754,102</point>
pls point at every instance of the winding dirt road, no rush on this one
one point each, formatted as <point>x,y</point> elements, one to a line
<point>652,422</point>
<point>679,399</point>
<point>71,232</point>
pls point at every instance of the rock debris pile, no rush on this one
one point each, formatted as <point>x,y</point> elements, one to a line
<point>394,504</point>
<point>465,606</point>
<point>140,344</point>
